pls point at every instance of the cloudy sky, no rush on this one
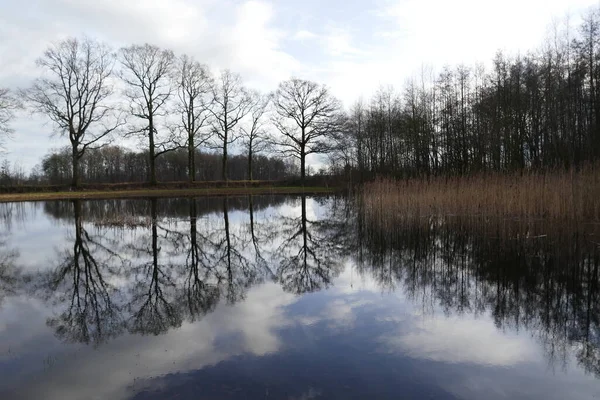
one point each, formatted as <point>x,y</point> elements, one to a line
<point>353,46</point>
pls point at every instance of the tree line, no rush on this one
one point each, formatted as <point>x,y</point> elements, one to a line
<point>94,95</point>
<point>535,111</point>
<point>114,164</point>
<point>540,110</point>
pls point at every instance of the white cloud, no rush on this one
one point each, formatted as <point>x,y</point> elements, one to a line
<point>355,51</point>
<point>338,42</point>
<point>304,35</point>
<point>191,347</point>
<point>468,31</point>
<point>223,34</point>
<point>257,53</point>
<point>462,340</point>
<point>339,314</point>
<point>164,20</point>
<point>351,282</point>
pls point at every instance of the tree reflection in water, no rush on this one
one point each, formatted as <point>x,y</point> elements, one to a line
<point>80,285</point>
<point>234,271</point>
<point>261,235</point>
<point>148,266</point>
<point>527,274</point>
<point>145,273</point>
<point>10,273</point>
<point>201,296</point>
<point>153,294</point>
<point>309,256</point>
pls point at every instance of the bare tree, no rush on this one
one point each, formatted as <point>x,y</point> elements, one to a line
<point>254,134</point>
<point>8,104</point>
<point>74,92</point>
<point>231,103</point>
<point>146,72</point>
<point>311,255</point>
<point>154,296</point>
<point>81,282</point>
<point>10,273</point>
<point>194,92</point>
<point>307,116</point>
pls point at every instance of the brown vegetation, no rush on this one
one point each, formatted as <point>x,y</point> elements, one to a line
<point>313,181</point>
<point>162,192</point>
<point>572,195</point>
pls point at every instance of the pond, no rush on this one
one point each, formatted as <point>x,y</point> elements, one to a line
<point>285,297</point>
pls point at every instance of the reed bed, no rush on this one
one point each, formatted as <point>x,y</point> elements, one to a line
<point>558,195</point>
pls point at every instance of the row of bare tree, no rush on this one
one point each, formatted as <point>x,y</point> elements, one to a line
<point>535,111</point>
<point>541,110</point>
<point>94,95</point>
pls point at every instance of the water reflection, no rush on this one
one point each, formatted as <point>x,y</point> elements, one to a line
<point>145,266</point>
<point>80,285</point>
<point>201,292</point>
<point>9,272</point>
<point>281,272</point>
<point>153,292</point>
<point>308,258</point>
<point>526,275</point>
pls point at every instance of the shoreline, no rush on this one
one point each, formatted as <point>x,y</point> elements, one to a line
<point>161,193</point>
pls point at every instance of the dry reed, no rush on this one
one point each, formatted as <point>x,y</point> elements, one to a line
<point>560,195</point>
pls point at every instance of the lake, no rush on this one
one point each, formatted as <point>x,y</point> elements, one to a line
<point>292,297</point>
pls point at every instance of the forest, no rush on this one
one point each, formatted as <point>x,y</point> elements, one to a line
<point>538,111</point>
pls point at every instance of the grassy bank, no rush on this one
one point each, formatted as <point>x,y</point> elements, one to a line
<point>117,193</point>
<point>311,181</point>
<point>573,195</point>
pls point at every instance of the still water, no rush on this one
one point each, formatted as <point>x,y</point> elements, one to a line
<point>291,298</point>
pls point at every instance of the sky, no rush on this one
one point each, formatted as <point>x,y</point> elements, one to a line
<point>352,46</point>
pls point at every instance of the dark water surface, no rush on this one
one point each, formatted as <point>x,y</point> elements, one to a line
<point>291,298</point>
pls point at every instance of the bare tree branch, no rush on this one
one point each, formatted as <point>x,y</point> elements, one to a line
<point>254,134</point>
<point>74,93</point>
<point>230,104</point>
<point>146,71</point>
<point>194,92</point>
<point>307,117</point>
<point>8,105</point>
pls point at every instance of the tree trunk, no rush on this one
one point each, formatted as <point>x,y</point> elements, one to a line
<point>230,295</point>
<point>152,159</point>
<point>193,235</point>
<point>75,162</point>
<point>224,166</point>
<point>302,164</point>
<point>251,209</point>
<point>250,163</point>
<point>191,159</point>
<point>304,233</point>
<point>155,249</point>
<point>78,226</point>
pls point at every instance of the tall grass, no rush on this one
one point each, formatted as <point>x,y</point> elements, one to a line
<point>560,195</point>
